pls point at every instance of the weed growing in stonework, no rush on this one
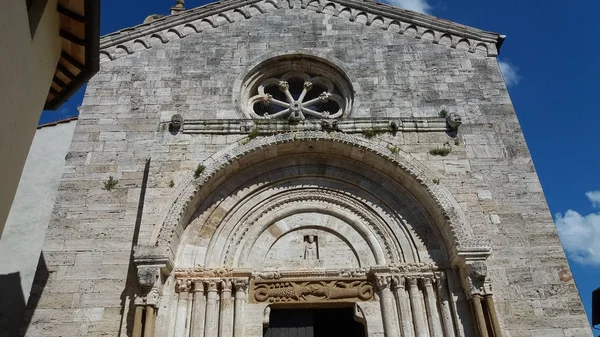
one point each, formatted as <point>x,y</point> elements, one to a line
<point>171,183</point>
<point>393,149</point>
<point>456,141</point>
<point>110,183</point>
<point>199,169</point>
<point>253,134</point>
<point>440,151</point>
<point>443,113</point>
<point>436,181</point>
<point>370,133</point>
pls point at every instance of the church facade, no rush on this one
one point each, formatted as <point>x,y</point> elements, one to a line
<point>301,168</point>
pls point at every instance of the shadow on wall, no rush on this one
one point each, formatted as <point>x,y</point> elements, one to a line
<point>12,303</point>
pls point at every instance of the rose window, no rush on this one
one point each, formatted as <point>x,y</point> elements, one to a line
<point>297,96</point>
<point>295,88</point>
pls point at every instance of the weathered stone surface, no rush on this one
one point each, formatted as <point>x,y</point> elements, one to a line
<point>217,195</point>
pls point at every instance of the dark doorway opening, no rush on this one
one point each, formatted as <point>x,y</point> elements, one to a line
<point>313,323</point>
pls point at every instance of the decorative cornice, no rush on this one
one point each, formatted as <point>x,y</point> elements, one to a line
<point>213,15</point>
<point>350,125</point>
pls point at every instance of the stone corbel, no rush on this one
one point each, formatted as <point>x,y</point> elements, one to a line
<point>153,267</point>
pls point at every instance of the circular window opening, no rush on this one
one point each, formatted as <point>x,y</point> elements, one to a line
<point>296,88</point>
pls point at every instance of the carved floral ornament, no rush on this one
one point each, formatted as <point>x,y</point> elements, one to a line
<point>296,96</point>
<point>295,88</point>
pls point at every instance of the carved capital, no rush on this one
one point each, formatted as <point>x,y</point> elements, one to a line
<point>241,285</point>
<point>225,285</point>
<point>198,286</point>
<point>398,282</point>
<point>383,281</point>
<point>183,286</point>
<point>212,286</point>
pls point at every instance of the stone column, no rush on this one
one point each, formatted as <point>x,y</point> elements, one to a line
<point>212,310</point>
<point>432,309</point>
<point>478,313</point>
<point>183,287</point>
<point>491,309</point>
<point>417,308</point>
<point>403,305</point>
<point>198,310</point>
<point>241,296</point>
<point>150,321</point>
<point>137,321</point>
<point>388,307</point>
<point>445,307</point>
<point>226,321</point>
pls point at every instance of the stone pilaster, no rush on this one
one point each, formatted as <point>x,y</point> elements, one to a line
<point>241,297</point>
<point>416,305</point>
<point>445,305</point>
<point>183,289</point>
<point>212,309</point>
<point>198,310</point>
<point>388,307</point>
<point>403,305</point>
<point>226,316</point>
<point>432,310</point>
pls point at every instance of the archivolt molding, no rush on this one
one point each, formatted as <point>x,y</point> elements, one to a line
<point>302,201</point>
<point>454,227</point>
<point>197,20</point>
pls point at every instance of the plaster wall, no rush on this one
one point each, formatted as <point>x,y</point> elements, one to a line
<point>123,132</point>
<point>27,66</point>
<point>25,229</point>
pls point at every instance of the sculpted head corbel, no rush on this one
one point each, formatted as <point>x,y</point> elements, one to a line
<point>153,265</point>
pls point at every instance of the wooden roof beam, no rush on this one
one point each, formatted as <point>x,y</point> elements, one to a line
<point>70,14</point>
<point>70,37</point>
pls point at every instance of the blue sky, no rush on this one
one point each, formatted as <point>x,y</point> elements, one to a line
<point>549,62</point>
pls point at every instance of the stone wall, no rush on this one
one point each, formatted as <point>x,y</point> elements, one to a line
<point>123,132</point>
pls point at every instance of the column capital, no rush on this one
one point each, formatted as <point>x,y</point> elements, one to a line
<point>241,284</point>
<point>383,281</point>
<point>211,285</point>
<point>183,286</point>
<point>198,286</point>
<point>398,282</point>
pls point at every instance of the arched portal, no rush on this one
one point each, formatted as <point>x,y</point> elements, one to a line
<point>312,218</point>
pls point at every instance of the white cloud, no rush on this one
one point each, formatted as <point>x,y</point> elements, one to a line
<point>580,234</point>
<point>510,73</point>
<point>594,197</point>
<point>421,6</point>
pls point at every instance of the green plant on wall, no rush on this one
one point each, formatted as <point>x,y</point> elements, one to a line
<point>110,183</point>
<point>443,113</point>
<point>372,132</point>
<point>393,149</point>
<point>440,151</point>
<point>199,170</point>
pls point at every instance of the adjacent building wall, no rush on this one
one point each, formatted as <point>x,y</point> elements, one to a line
<point>25,229</point>
<point>27,66</point>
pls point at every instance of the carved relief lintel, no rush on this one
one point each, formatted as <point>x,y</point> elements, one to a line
<point>312,291</point>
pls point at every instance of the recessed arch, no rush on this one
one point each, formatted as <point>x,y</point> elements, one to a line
<point>444,211</point>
